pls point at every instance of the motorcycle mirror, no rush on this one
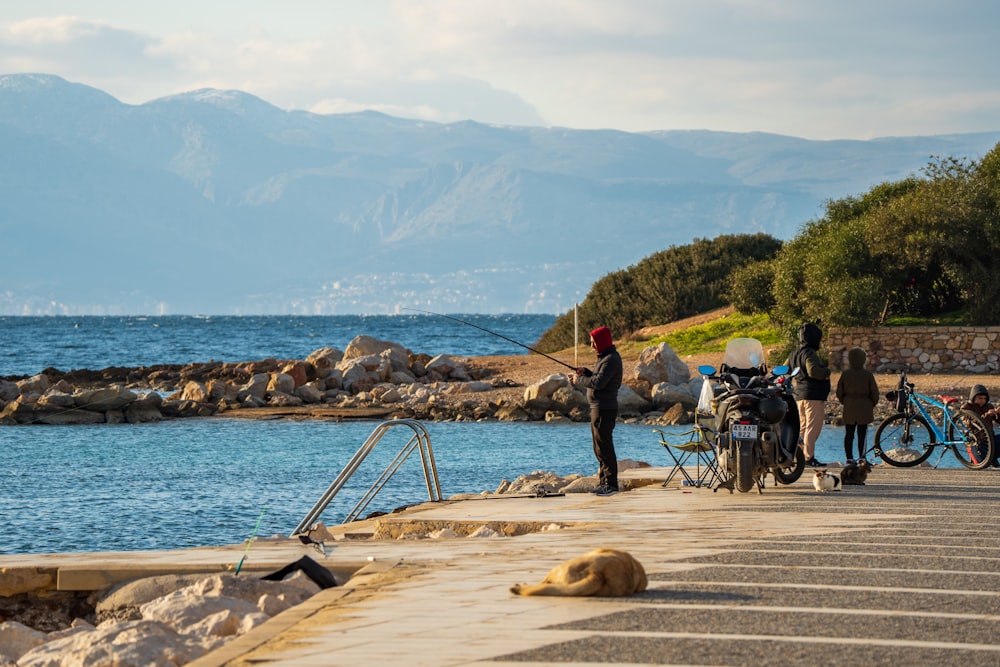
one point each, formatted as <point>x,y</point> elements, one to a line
<point>780,370</point>
<point>706,370</point>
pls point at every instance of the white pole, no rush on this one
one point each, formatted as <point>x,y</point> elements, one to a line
<point>576,334</point>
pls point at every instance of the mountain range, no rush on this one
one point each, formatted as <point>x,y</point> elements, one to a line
<point>217,202</point>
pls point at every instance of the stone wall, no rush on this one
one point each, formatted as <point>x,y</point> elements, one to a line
<point>918,349</point>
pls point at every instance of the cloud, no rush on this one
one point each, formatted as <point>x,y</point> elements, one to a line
<point>818,70</point>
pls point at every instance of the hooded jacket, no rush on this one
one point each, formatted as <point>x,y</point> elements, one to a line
<point>987,410</point>
<point>813,381</point>
<point>857,389</point>
<point>602,385</point>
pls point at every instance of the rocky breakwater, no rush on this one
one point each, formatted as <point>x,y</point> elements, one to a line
<point>369,379</point>
<point>164,620</point>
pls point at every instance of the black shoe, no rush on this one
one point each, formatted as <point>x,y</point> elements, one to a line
<point>813,463</point>
<point>605,491</point>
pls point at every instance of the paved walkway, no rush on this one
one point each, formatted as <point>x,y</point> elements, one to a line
<point>902,571</point>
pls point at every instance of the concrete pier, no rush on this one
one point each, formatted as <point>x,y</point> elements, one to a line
<point>902,571</point>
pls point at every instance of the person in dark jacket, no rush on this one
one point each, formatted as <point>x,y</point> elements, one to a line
<point>602,386</point>
<point>979,402</point>
<point>812,387</point>
<point>857,391</point>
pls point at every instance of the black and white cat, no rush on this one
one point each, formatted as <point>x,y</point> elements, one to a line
<point>826,481</point>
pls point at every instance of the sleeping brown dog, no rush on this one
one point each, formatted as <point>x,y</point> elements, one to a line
<point>601,572</point>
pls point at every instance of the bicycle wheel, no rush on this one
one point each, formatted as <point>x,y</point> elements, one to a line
<point>903,441</point>
<point>976,451</point>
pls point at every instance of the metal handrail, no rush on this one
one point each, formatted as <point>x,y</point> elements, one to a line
<point>421,440</point>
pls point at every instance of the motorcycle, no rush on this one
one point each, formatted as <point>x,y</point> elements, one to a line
<point>757,423</point>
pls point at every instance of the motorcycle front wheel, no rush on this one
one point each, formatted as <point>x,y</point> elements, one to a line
<point>903,441</point>
<point>791,474</point>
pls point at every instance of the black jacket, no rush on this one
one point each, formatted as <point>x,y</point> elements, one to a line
<point>813,381</point>
<point>602,385</point>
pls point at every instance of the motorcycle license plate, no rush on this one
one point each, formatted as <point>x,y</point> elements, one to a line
<point>744,431</point>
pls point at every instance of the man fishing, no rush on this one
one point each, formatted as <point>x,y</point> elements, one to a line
<point>602,386</point>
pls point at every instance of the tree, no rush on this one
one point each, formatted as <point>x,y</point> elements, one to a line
<point>920,246</point>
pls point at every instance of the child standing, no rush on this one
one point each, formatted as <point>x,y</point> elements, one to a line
<point>858,393</point>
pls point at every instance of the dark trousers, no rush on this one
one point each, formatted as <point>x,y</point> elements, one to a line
<point>602,423</point>
<point>862,430</point>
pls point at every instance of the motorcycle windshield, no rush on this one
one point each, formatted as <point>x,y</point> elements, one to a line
<point>743,353</point>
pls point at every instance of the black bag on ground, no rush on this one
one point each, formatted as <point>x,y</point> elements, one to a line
<point>319,574</point>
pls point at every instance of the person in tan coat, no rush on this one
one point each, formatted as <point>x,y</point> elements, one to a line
<point>858,393</point>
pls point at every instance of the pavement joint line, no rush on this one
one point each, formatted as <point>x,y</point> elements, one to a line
<point>895,554</point>
<point>832,587</point>
<point>837,568</point>
<point>827,610</point>
<point>842,543</point>
<point>853,553</point>
<point>864,641</point>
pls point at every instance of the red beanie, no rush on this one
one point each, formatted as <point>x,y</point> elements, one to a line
<point>602,338</point>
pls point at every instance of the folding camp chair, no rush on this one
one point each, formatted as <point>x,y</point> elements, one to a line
<point>697,443</point>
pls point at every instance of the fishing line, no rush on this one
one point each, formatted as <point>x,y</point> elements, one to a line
<point>494,333</point>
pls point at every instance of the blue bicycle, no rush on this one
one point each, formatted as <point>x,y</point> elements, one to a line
<point>908,437</point>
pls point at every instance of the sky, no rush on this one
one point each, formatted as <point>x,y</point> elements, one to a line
<point>808,68</point>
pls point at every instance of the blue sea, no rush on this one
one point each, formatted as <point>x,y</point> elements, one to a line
<point>200,482</point>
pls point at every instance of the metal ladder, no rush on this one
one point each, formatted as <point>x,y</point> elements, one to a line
<point>419,440</point>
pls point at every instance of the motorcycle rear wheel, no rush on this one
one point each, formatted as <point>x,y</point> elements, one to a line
<point>744,468</point>
<point>791,475</point>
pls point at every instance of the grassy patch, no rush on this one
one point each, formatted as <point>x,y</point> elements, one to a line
<point>956,318</point>
<point>713,336</point>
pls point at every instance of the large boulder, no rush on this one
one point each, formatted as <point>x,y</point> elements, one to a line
<point>256,387</point>
<point>545,387</point>
<point>9,391</point>
<point>299,371</point>
<point>37,384</point>
<point>114,397</point>
<point>309,393</point>
<point>145,409</point>
<point>364,346</point>
<point>447,367</point>
<point>131,643</point>
<point>356,377</point>
<point>324,360</point>
<point>664,395</point>
<point>56,400</point>
<point>17,639</point>
<point>660,363</point>
<point>281,383</point>
<point>630,403</point>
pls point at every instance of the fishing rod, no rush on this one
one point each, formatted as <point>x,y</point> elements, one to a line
<point>246,551</point>
<point>494,333</point>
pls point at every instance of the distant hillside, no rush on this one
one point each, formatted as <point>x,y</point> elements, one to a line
<point>218,202</point>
